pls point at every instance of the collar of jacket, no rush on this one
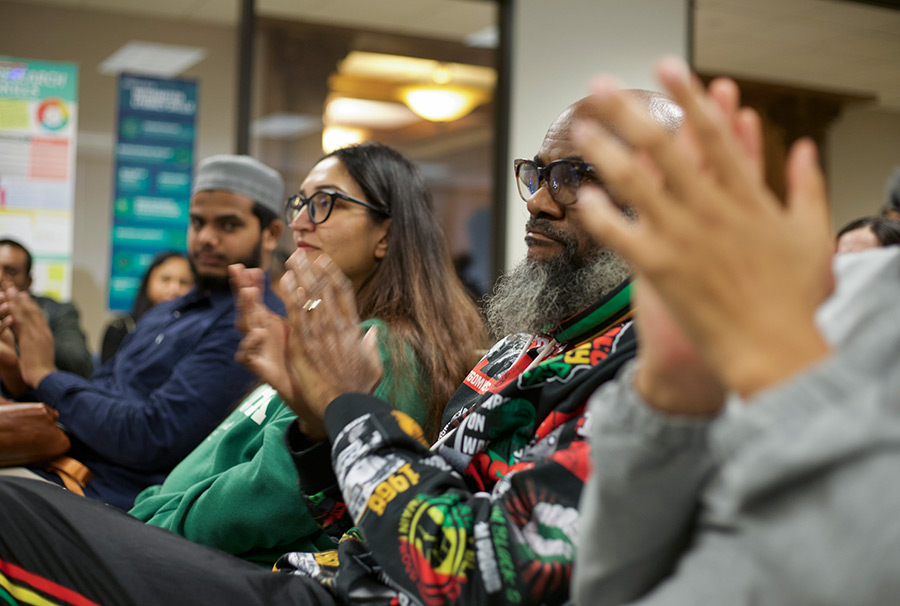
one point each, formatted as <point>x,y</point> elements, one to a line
<point>605,313</point>
<point>198,298</point>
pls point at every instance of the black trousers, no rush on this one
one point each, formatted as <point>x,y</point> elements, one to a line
<point>65,549</point>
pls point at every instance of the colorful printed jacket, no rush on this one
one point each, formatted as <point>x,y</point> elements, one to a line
<point>490,516</point>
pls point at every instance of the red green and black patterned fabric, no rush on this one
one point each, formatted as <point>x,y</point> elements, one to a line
<point>491,515</point>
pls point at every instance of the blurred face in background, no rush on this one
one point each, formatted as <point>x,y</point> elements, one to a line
<point>12,268</point>
<point>857,240</point>
<point>170,280</point>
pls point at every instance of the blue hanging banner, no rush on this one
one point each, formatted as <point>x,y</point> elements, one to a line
<point>153,172</point>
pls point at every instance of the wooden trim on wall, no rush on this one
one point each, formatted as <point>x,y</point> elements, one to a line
<point>788,113</point>
<point>502,104</point>
<point>247,27</point>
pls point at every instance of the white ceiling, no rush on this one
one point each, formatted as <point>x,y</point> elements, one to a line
<point>827,44</point>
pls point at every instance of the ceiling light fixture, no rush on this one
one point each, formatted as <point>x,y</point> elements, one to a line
<point>440,103</point>
<point>152,59</point>
<point>436,91</point>
<point>488,37</point>
<point>366,113</point>
<point>336,137</point>
<point>282,125</point>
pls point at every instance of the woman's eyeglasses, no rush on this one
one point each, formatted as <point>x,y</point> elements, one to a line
<point>320,204</point>
<point>563,178</point>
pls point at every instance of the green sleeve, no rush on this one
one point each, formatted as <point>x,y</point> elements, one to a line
<point>399,389</point>
<point>252,509</point>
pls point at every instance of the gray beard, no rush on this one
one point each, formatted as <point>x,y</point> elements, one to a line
<point>536,295</point>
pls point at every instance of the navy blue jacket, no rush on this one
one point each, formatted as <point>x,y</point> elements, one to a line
<point>170,384</point>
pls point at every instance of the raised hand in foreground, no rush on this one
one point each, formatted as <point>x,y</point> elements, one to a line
<point>328,356</point>
<point>740,272</point>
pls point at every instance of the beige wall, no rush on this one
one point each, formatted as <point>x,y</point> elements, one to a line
<point>87,38</point>
<point>863,150</point>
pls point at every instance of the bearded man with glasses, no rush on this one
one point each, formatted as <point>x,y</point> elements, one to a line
<point>565,271</point>
<point>569,288</point>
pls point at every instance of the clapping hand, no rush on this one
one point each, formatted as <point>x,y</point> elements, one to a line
<point>328,356</point>
<point>740,272</point>
<point>19,312</point>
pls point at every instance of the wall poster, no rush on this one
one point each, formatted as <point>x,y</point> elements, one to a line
<point>38,124</point>
<point>152,178</point>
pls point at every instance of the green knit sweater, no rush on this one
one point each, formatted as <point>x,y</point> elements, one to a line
<point>237,491</point>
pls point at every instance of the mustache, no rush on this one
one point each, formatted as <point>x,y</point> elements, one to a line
<point>547,228</point>
<point>205,251</point>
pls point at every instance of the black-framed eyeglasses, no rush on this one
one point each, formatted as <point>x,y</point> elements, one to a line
<point>320,204</point>
<point>563,178</point>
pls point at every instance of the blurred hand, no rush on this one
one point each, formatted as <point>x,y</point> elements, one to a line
<point>328,357</point>
<point>36,353</point>
<point>671,374</point>
<point>740,272</point>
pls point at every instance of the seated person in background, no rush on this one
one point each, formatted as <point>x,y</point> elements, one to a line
<point>368,209</point>
<point>790,496</point>
<point>175,378</point>
<point>487,517</point>
<point>866,233</point>
<point>168,277</point>
<point>70,352</point>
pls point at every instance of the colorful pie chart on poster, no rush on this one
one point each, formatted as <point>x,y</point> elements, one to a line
<point>52,114</point>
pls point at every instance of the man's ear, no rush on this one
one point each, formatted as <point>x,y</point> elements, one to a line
<point>271,235</point>
<point>28,282</point>
<point>382,246</point>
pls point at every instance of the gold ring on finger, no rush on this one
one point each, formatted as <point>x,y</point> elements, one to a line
<point>311,304</point>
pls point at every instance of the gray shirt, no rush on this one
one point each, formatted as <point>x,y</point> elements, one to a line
<point>788,498</point>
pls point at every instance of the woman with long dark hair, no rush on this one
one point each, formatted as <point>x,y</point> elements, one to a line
<point>414,289</point>
<point>368,209</point>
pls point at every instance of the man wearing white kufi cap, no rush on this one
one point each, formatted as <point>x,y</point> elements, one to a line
<point>174,379</point>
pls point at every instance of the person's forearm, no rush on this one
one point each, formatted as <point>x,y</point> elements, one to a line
<point>810,467</point>
<point>33,374</point>
<point>411,507</point>
<point>158,429</point>
<point>260,496</point>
